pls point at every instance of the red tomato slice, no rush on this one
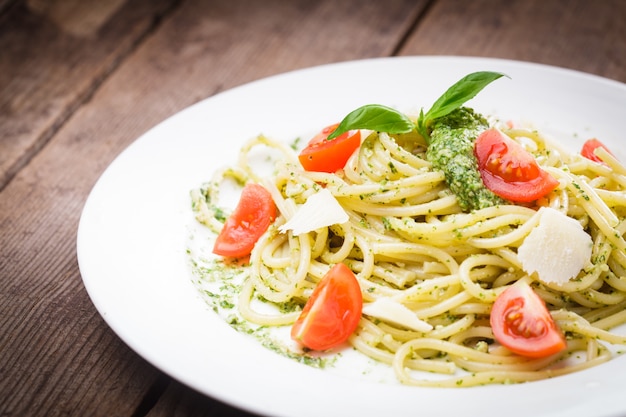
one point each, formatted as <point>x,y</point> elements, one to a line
<point>590,146</point>
<point>508,170</point>
<point>251,218</point>
<point>323,155</point>
<point>332,313</point>
<point>522,323</point>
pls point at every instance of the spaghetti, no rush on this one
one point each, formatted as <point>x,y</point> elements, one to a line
<point>408,240</point>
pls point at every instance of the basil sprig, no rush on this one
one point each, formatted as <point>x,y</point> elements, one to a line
<point>375,117</point>
<point>386,119</point>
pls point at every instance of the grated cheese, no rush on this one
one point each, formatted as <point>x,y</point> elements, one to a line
<point>389,310</point>
<point>320,210</point>
<point>557,249</point>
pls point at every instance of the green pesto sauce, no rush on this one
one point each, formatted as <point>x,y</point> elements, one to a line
<point>220,283</point>
<point>451,150</point>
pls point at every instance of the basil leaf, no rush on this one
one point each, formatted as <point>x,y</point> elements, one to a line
<point>454,97</point>
<point>375,117</point>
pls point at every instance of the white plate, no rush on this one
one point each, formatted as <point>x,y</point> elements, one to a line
<point>133,231</point>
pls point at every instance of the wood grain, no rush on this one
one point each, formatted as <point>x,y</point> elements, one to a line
<point>180,401</point>
<point>49,66</point>
<point>583,35</point>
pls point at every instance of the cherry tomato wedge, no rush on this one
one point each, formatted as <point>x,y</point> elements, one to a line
<point>323,155</point>
<point>522,323</point>
<point>508,170</point>
<point>250,219</point>
<point>333,311</point>
<point>590,146</point>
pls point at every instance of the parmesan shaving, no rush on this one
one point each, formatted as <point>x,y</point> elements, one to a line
<point>320,210</point>
<point>389,310</point>
<point>556,249</point>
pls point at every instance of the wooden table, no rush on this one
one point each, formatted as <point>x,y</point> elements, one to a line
<point>80,81</point>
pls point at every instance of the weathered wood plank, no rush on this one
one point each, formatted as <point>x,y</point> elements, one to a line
<point>179,400</point>
<point>53,340</point>
<point>578,34</point>
<point>58,355</point>
<point>51,337</point>
<point>52,56</point>
<point>5,5</point>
